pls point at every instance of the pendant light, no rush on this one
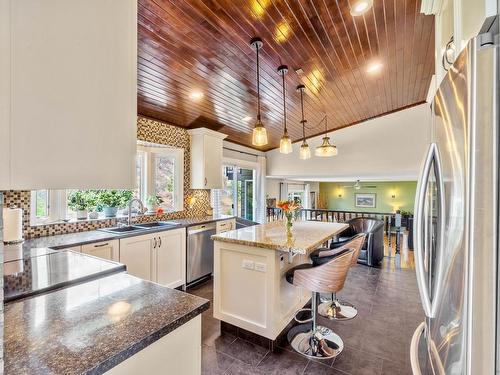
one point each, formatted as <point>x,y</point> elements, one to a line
<point>285,142</point>
<point>259,134</point>
<point>305,152</point>
<point>326,149</point>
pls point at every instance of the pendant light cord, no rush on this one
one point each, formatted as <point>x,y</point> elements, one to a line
<point>284,100</point>
<point>303,120</point>
<point>258,86</point>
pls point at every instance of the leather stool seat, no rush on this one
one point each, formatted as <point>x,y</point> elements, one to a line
<point>291,272</point>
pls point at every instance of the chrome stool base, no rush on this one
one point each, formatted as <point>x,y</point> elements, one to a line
<point>322,343</point>
<point>303,316</point>
<point>336,310</point>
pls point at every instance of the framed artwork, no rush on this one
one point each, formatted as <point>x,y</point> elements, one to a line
<point>312,199</point>
<point>366,200</point>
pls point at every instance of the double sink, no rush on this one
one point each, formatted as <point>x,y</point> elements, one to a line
<point>141,227</point>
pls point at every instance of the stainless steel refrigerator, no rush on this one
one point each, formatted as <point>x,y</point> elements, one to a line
<point>456,220</point>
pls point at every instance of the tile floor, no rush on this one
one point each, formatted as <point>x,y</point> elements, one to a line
<point>377,341</point>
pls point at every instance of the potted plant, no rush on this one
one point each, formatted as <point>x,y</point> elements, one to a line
<point>152,202</point>
<point>92,198</point>
<point>111,200</point>
<point>78,203</point>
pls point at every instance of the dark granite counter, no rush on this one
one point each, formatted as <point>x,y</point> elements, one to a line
<point>62,241</point>
<point>55,269</point>
<point>90,328</point>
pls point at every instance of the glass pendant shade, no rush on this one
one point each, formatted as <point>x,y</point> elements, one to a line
<point>326,149</point>
<point>259,134</point>
<point>285,144</point>
<point>305,151</point>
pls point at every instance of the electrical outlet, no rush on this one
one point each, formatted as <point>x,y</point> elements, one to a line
<point>247,264</point>
<point>261,267</point>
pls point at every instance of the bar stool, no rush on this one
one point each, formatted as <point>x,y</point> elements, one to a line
<point>335,309</point>
<point>313,340</point>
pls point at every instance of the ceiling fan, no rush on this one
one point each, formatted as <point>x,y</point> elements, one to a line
<point>357,185</point>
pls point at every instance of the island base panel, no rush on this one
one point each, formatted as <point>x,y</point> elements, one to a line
<point>250,290</point>
<point>179,352</point>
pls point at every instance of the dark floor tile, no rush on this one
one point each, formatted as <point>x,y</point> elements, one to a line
<point>283,362</point>
<point>240,368</point>
<point>213,362</point>
<point>315,368</point>
<point>357,362</point>
<point>393,368</point>
<point>243,350</point>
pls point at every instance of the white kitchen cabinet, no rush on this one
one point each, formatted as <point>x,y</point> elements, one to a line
<point>68,94</point>
<point>225,225</point>
<point>136,254</point>
<point>106,250</point>
<point>169,259</point>
<point>158,257</point>
<point>206,158</point>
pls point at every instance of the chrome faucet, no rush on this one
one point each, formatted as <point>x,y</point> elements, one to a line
<point>141,210</point>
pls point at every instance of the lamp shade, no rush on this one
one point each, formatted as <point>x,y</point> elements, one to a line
<point>326,149</point>
<point>259,134</point>
<point>305,151</point>
<point>285,144</point>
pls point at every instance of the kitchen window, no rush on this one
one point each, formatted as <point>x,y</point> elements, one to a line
<point>159,172</point>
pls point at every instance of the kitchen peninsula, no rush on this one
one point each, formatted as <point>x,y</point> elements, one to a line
<point>250,290</point>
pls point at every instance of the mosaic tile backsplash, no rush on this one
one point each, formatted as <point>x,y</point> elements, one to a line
<point>149,131</point>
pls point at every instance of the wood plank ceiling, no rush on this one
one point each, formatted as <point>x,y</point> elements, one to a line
<point>203,45</point>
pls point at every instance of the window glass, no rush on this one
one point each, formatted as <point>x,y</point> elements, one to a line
<point>139,176</point>
<point>164,180</point>
<point>42,203</point>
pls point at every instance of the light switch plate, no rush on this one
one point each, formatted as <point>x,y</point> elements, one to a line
<point>261,267</point>
<point>247,264</point>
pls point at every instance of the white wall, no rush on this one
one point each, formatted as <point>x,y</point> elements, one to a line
<point>386,148</point>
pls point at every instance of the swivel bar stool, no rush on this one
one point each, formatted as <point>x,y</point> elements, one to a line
<point>310,339</point>
<point>335,309</point>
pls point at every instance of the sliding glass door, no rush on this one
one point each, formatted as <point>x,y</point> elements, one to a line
<point>237,197</point>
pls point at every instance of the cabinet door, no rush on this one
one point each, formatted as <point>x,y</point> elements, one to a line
<point>135,253</point>
<point>106,250</point>
<point>170,258</point>
<point>213,162</point>
<point>72,103</point>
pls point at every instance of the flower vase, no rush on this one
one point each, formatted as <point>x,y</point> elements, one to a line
<point>288,222</point>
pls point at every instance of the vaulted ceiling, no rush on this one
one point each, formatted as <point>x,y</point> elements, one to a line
<point>192,46</point>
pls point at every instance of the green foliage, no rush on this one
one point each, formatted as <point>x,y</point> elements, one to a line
<point>77,201</point>
<point>114,198</point>
<point>154,200</point>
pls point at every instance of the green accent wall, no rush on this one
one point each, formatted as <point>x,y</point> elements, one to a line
<point>404,192</point>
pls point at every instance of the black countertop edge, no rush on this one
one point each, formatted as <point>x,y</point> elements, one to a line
<point>120,268</point>
<point>118,358</point>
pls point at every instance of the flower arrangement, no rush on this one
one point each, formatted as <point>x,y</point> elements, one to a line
<point>290,209</point>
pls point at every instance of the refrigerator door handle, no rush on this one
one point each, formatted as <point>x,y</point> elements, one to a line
<point>415,365</point>
<point>432,159</point>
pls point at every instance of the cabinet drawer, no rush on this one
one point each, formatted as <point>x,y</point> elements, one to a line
<point>106,249</point>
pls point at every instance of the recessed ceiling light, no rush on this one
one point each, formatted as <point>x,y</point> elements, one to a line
<point>246,118</point>
<point>360,7</point>
<point>196,95</point>
<point>374,67</point>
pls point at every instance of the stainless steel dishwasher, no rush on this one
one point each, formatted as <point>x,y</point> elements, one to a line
<point>199,252</point>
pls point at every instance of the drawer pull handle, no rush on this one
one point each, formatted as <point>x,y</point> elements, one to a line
<point>159,240</point>
<point>102,245</point>
<point>154,243</point>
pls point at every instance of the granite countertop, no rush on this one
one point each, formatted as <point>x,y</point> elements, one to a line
<point>46,272</point>
<point>90,328</point>
<point>62,241</point>
<point>305,235</point>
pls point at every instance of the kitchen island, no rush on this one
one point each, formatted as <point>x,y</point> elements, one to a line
<point>250,290</point>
